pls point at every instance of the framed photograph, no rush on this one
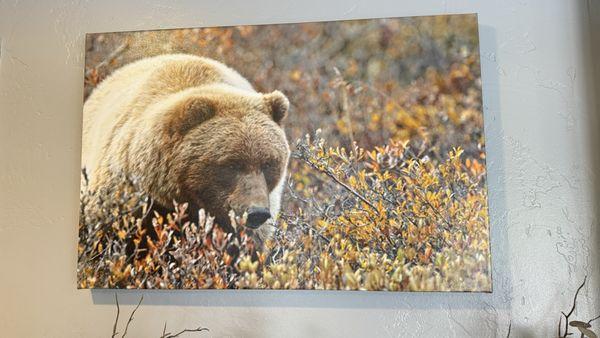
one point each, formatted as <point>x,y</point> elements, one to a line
<point>344,155</point>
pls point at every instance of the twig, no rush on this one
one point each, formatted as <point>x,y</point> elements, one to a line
<point>131,316</point>
<point>150,205</point>
<point>288,218</point>
<point>169,335</point>
<point>114,334</point>
<point>559,325</point>
<point>344,185</point>
<point>434,209</point>
<point>344,104</point>
<point>165,334</point>
<point>509,327</point>
<point>424,198</point>
<point>575,298</point>
<point>572,308</point>
<point>591,320</point>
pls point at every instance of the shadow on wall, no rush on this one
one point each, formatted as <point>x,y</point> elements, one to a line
<point>492,303</point>
<point>297,299</point>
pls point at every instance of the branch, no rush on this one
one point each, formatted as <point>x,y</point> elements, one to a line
<point>288,219</point>
<point>344,185</point>
<point>424,198</point>
<point>576,294</point>
<point>591,320</point>
<point>114,334</point>
<point>165,334</point>
<point>131,316</point>
<point>169,335</point>
<point>342,84</point>
<point>572,308</point>
<point>559,325</point>
<point>149,208</point>
<point>435,211</point>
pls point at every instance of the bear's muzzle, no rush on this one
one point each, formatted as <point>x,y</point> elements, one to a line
<point>251,196</point>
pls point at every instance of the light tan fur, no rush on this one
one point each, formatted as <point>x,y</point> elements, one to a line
<point>177,124</point>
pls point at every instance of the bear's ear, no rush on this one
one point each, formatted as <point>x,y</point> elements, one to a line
<point>191,113</point>
<point>277,105</point>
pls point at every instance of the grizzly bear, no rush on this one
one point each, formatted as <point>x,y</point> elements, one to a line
<point>189,129</point>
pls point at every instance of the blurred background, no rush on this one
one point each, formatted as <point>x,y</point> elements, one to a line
<point>350,78</point>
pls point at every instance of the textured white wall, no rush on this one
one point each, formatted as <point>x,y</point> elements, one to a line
<point>540,125</point>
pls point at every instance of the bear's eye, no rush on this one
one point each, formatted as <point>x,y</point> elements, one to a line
<point>267,166</point>
<point>271,171</point>
<point>234,166</point>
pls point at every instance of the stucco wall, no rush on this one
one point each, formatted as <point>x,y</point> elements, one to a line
<point>538,84</point>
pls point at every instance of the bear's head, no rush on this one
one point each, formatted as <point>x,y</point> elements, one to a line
<point>231,152</point>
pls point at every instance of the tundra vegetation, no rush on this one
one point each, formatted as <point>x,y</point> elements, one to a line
<point>387,180</point>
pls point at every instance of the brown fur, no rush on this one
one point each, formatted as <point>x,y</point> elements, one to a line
<point>188,129</point>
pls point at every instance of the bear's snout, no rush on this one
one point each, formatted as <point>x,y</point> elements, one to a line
<point>251,197</point>
<point>257,216</point>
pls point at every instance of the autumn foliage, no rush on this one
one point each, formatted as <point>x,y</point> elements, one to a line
<point>387,184</point>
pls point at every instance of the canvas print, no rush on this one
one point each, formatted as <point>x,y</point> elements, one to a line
<point>345,155</point>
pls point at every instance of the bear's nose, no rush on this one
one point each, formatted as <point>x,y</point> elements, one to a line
<point>257,216</point>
